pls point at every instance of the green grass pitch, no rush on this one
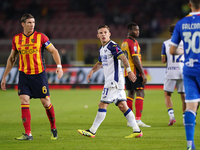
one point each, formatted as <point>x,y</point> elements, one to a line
<point>71,115</point>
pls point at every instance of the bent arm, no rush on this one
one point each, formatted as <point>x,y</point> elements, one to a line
<point>10,63</point>
<point>131,75</point>
<point>176,51</point>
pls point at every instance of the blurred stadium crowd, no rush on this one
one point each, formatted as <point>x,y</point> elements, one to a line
<point>69,19</point>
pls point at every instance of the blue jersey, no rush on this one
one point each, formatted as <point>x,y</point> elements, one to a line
<point>188,30</point>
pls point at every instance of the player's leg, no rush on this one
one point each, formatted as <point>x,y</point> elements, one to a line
<point>192,98</point>
<point>131,93</point>
<point>120,101</point>
<point>51,116</point>
<point>100,116</point>
<point>26,118</point>
<point>169,104</point>
<point>139,107</point>
<point>169,86</point>
<point>183,106</point>
<point>128,113</point>
<point>24,93</point>
<point>130,98</point>
<point>107,97</point>
<point>181,90</point>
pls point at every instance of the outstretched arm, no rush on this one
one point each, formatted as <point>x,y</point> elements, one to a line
<point>131,75</point>
<point>56,57</point>
<point>96,67</point>
<point>10,63</point>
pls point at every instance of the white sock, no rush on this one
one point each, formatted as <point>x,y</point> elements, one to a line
<point>101,114</point>
<point>131,119</point>
<point>171,113</point>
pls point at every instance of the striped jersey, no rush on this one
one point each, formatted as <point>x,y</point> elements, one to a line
<point>188,30</point>
<point>131,48</point>
<point>174,68</point>
<point>109,54</point>
<point>31,51</point>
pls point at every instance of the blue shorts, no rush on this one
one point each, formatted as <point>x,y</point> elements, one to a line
<point>36,86</point>
<point>192,88</point>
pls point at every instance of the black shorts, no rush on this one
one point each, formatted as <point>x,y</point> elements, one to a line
<point>36,86</point>
<point>134,85</point>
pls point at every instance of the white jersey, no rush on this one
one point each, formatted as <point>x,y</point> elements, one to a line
<point>112,65</point>
<point>174,62</point>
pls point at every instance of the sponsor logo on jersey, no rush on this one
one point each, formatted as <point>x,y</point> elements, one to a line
<point>174,68</point>
<point>28,51</point>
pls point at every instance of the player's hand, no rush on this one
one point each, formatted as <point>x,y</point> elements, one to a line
<point>59,72</point>
<point>132,76</point>
<point>144,81</point>
<point>3,84</point>
<point>89,76</point>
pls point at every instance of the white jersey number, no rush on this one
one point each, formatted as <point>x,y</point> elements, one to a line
<point>192,42</point>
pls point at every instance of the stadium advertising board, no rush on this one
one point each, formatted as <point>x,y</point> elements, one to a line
<point>77,75</point>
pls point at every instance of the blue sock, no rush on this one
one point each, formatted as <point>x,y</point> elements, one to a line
<point>189,127</point>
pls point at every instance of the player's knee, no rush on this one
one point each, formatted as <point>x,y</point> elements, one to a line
<point>24,99</point>
<point>122,106</point>
<point>46,102</point>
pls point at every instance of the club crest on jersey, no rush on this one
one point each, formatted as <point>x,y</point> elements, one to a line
<point>135,48</point>
<point>32,40</point>
<point>105,50</point>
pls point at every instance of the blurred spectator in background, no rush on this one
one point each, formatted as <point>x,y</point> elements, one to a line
<point>65,59</point>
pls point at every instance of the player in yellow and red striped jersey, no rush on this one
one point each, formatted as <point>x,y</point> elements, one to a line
<point>31,49</point>
<point>131,50</point>
<point>33,83</point>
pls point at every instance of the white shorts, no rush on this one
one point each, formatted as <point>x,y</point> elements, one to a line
<point>170,84</point>
<point>112,94</point>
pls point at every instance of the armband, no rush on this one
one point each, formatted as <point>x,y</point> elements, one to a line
<point>59,66</point>
<point>128,69</point>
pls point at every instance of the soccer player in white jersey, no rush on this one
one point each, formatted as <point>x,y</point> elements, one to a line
<point>188,30</point>
<point>113,91</point>
<point>173,76</point>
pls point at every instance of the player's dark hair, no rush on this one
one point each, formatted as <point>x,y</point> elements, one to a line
<point>103,26</point>
<point>195,3</point>
<point>131,25</point>
<point>26,16</point>
<point>171,28</point>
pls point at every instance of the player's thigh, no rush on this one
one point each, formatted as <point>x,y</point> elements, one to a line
<point>169,85</point>
<point>192,88</point>
<point>180,86</point>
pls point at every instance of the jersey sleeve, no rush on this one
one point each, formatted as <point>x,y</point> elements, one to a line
<point>115,50</point>
<point>176,36</point>
<point>99,59</point>
<point>163,52</point>
<point>14,44</point>
<point>45,41</point>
